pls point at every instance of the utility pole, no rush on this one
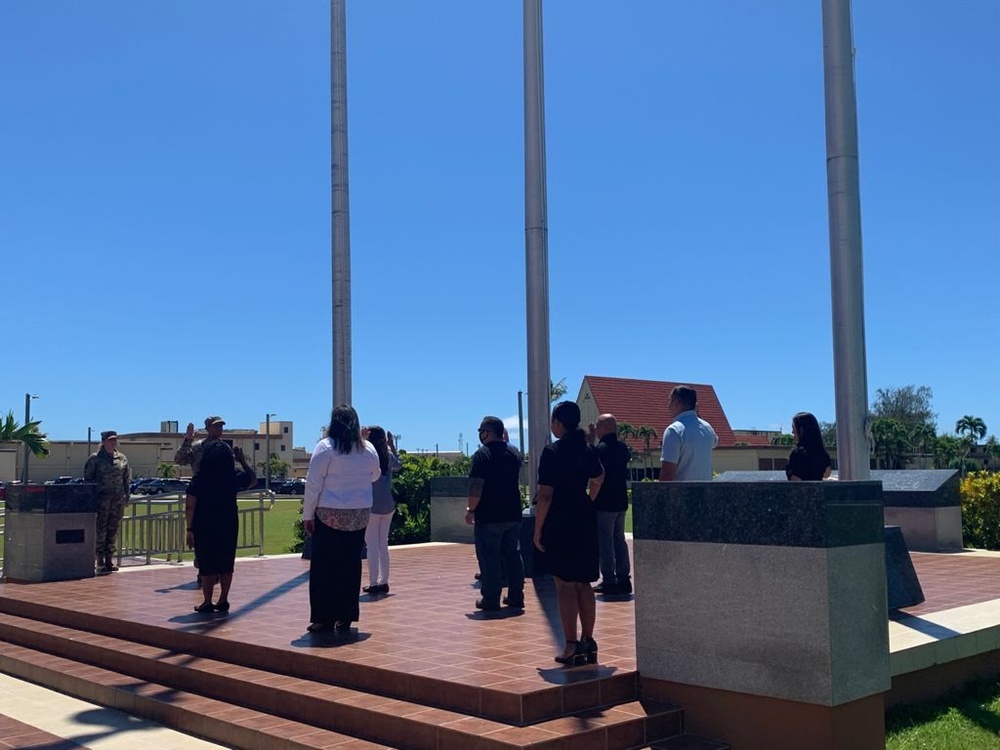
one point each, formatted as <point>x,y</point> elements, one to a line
<point>850,368</point>
<point>536,237</point>
<point>341,250</point>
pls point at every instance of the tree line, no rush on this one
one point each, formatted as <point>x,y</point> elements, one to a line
<point>904,431</point>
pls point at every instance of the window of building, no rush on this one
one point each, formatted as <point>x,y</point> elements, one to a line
<point>256,446</point>
<point>284,430</point>
<point>282,447</point>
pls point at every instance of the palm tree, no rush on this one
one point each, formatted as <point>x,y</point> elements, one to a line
<point>892,441</point>
<point>973,429</point>
<point>785,438</point>
<point>974,426</point>
<point>12,432</point>
<point>557,390</point>
<point>647,434</point>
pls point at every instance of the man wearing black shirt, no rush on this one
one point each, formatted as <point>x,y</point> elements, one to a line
<point>611,505</point>
<point>495,508</point>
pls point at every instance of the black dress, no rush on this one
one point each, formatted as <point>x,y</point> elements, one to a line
<point>216,518</point>
<point>570,531</point>
<point>809,466</point>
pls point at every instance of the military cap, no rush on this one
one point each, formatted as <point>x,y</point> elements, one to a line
<point>107,434</point>
<point>209,421</point>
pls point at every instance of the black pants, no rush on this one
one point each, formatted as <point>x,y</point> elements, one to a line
<point>335,574</point>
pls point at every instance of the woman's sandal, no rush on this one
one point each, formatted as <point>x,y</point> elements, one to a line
<point>222,606</point>
<point>575,657</point>
<point>205,608</point>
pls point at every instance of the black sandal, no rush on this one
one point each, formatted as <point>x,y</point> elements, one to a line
<point>574,658</point>
<point>205,608</point>
<point>222,606</point>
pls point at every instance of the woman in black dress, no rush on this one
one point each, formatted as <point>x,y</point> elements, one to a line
<point>809,461</point>
<point>213,519</point>
<point>569,476</point>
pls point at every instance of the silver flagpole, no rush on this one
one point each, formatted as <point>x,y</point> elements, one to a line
<point>846,262</point>
<point>536,240</point>
<point>341,206</point>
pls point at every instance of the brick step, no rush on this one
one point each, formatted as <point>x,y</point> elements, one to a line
<point>589,688</point>
<point>212,720</point>
<point>364,714</point>
<point>688,742</point>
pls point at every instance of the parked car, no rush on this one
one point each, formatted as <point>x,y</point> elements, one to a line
<point>61,480</point>
<point>293,487</point>
<point>138,482</point>
<point>162,486</point>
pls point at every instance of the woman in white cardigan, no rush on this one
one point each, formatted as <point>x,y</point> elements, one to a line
<point>338,500</point>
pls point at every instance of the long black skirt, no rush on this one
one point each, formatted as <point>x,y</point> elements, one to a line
<point>335,574</point>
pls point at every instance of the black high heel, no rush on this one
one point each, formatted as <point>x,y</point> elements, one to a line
<point>589,648</point>
<point>576,658</point>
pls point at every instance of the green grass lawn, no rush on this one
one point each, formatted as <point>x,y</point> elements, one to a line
<point>279,527</point>
<point>965,720</point>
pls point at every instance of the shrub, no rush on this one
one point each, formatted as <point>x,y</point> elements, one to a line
<point>411,489</point>
<point>980,493</point>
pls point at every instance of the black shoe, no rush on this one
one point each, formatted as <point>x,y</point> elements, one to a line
<point>222,607</point>
<point>479,576</point>
<point>588,647</point>
<point>513,603</point>
<point>576,658</point>
<point>483,605</point>
<point>373,589</point>
<point>625,587</point>
<point>205,608</point>
<point>342,628</point>
<point>383,588</point>
<point>607,589</point>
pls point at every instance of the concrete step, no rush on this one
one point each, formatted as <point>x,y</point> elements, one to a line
<point>213,720</point>
<point>585,688</point>
<point>365,714</point>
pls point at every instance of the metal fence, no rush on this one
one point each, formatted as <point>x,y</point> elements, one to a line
<point>154,527</point>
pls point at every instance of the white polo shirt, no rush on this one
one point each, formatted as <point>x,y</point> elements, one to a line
<point>689,442</point>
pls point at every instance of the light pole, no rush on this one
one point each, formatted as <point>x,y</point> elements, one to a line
<point>89,429</point>
<point>267,452</point>
<point>27,421</point>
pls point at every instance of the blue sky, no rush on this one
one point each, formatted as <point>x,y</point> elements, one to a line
<point>165,207</point>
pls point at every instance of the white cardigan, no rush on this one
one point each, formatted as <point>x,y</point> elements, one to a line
<point>339,480</point>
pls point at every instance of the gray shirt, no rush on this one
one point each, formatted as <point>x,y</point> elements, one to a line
<point>689,442</point>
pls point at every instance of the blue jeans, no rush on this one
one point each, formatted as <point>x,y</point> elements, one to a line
<point>615,567</point>
<point>496,546</point>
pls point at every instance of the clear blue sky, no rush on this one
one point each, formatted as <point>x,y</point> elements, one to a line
<point>165,207</point>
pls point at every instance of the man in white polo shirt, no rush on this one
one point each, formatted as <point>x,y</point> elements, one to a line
<point>688,441</point>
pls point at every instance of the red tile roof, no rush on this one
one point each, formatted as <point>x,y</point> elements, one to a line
<point>644,402</point>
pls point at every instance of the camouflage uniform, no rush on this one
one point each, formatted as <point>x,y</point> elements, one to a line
<point>112,475</point>
<point>189,454</point>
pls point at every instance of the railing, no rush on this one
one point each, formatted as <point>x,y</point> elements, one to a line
<point>163,533</point>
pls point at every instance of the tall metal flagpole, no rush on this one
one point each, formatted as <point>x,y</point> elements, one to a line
<point>846,262</point>
<point>536,240</point>
<point>341,206</point>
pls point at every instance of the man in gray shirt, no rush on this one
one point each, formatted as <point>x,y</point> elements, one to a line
<point>688,441</point>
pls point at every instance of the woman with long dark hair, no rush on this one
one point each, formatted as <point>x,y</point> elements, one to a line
<point>809,461</point>
<point>383,507</point>
<point>213,519</point>
<point>338,500</point>
<point>569,477</point>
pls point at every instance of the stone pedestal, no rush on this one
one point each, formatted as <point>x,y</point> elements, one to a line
<point>761,608</point>
<point>49,532</point>
<point>449,498</point>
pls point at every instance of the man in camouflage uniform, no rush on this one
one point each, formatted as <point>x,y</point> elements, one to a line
<point>189,454</point>
<point>109,470</point>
